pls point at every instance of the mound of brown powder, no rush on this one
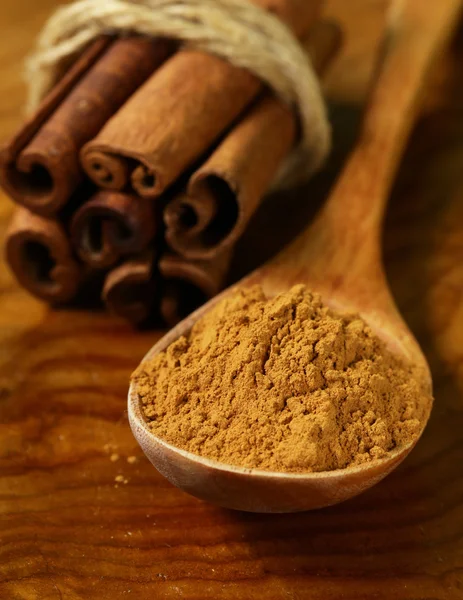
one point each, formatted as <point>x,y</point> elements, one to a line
<point>283,384</point>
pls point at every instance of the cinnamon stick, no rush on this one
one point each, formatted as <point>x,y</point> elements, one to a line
<point>129,290</point>
<point>112,225</point>
<point>40,167</point>
<point>223,194</point>
<point>181,110</point>
<point>40,256</point>
<point>186,285</point>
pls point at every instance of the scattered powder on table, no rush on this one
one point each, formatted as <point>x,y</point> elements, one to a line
<point>282,384</point>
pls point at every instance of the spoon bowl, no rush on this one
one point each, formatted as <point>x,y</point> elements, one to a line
<point>245,489</point>
<point>339,257</point>
<point>257,490</point>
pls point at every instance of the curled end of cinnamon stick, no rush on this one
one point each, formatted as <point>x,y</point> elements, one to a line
<point>91,240</point>
<point>146,182</point>
<point>38,182</point>
<point>105,170</point>
<point>112,225</point>
<point>188,284</point>
<point>129,290</point>
<point>199,224</point>
<point>40,257</point>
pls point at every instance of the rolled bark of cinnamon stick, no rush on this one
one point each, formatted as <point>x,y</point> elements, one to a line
<point>112,225</point>
<point>40,256</point>
<point>40,167</point>
<point>225,192</point>
<point>129,290</point>
<point>181,110</point>
<point>186,285</point>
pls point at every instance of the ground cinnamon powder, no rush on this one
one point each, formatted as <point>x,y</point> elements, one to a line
<point>282,384</point>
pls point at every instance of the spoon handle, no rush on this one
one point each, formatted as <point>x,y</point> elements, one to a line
<point>342,248</point>
<point>417,34</point>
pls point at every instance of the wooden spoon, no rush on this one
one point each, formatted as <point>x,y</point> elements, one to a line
<point>338,256</point>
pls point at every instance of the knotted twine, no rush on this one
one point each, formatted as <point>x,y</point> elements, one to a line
<point>236,30</point>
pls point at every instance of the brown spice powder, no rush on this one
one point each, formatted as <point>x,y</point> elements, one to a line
<point>284,384</point>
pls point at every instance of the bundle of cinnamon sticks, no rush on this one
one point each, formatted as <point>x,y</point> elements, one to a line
<point>144,165</point>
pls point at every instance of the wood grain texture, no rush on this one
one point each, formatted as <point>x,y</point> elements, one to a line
<point>69,530</point>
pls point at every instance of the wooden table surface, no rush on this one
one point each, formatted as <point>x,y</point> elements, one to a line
<point>69,530</point>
